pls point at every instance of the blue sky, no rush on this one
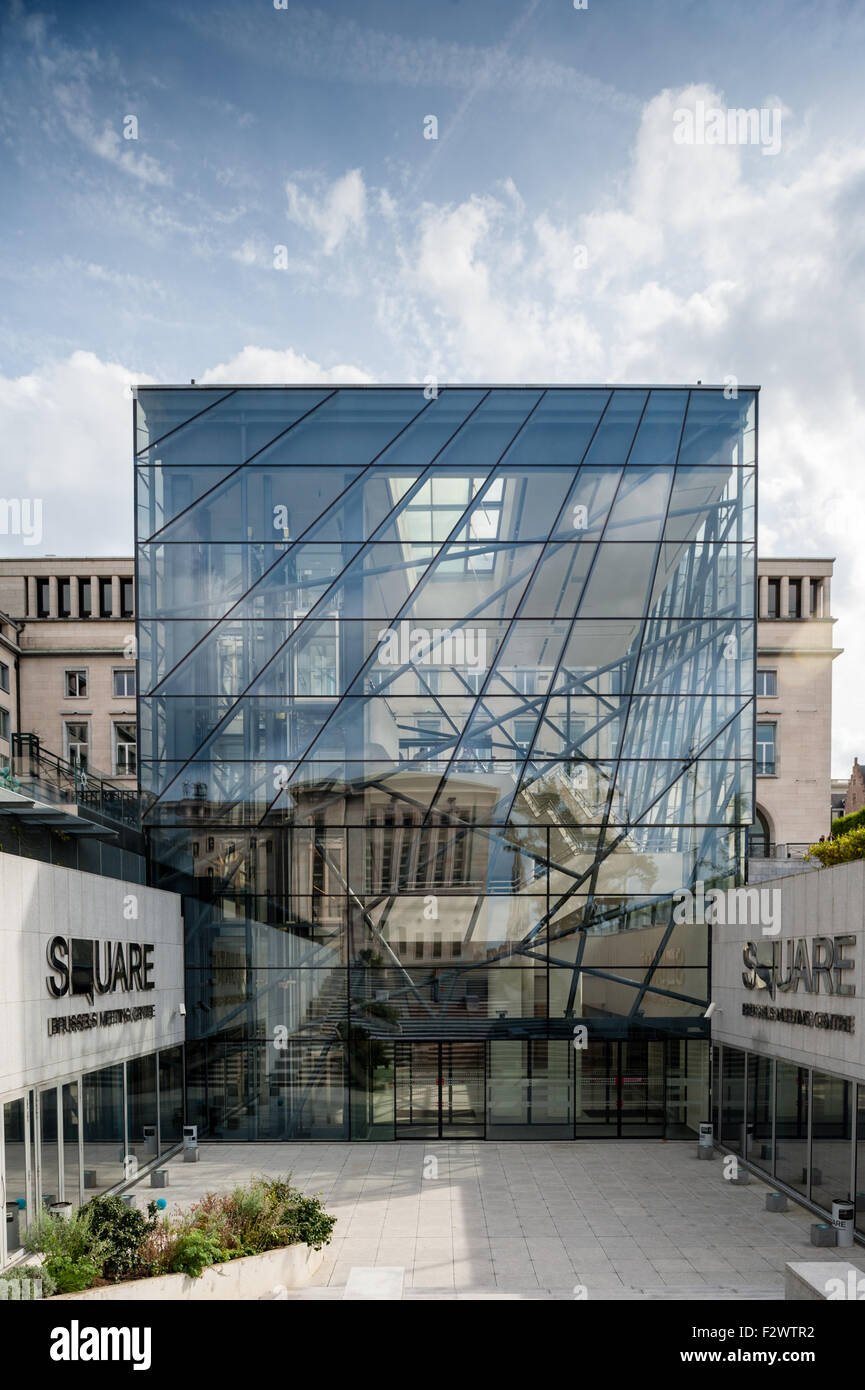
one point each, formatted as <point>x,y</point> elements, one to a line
<point>554,231</point>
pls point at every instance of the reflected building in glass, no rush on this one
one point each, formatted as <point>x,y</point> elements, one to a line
<point>442,701</point>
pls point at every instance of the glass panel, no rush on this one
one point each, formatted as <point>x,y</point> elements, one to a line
<point>17,1172</point>
<point>49,1149</point>
<point>597,1091</point>
<point>141,1102</point>
<point>103,1130</point>
<point>170,1097</point>
<point>791,1125</point>
<point>831,1139</point>
<point>733,1099</point>
<point>71,1136</point>
<point>759,1120</point>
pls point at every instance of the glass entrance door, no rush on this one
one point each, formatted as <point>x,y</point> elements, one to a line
<point>620,1090</point>
<point>17,1174</point>
<point>439,1090</point>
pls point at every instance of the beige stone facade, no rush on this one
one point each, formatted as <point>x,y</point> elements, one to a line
<point>75,621</point>
<point>9,658</point>
<point>794,700</point>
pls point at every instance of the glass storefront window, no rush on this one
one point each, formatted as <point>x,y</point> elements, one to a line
<point>18,1180</point>
<point>71,1141</point>
<point>831,1138</point>
<point>791,1125</point>
<point>141,1103</point>
<point>758,1126</point>
<point>170,1097</point>
<point>104,1140</point>
<point>49,1155</point>
<point>732,1098</point>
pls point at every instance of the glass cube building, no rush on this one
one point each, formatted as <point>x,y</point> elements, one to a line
<point>443,698</point>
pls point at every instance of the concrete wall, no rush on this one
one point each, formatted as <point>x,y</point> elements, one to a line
<point>40,901</point>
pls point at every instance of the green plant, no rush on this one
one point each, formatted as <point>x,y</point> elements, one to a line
<point>122,1228</point>
<point>71,1253</point>
<point>840,850</point>
<point>31,1272</point>
<point>842,824</point>
<point>194,1252</point>
<point>73,1276</point>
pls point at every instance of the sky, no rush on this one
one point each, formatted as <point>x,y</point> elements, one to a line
<point>471,191</point>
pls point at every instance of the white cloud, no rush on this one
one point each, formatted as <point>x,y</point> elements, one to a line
<point>339,211</point>
<point>282,367</point>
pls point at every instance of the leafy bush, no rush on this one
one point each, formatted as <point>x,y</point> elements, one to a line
<point>72,1254</point>
<point>73,1275</point>
<point>842,824</point>
<point>265,1215</point>
<point>109,1239</point>
<point>194,1252</point>
<point>840,850</point>
<point>122,1228</point>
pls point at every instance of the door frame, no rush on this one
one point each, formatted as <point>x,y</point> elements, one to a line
<point>479,1131</point>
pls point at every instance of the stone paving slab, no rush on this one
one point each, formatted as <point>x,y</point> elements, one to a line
<point>625,1219</point>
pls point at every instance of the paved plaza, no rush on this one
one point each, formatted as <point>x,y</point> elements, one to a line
<point>638,1219</point>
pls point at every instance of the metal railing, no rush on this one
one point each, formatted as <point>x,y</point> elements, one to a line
<point>761,848</point>
<point>47,777</point>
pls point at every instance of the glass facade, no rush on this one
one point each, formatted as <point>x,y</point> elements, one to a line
<point>441,701</point>
<point>74,1139</point>
<point>804,1127</point>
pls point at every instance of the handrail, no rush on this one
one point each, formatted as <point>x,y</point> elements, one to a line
<point>49,777</point>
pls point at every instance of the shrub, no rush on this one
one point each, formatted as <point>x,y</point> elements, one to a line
<point>840,850</point>
<point>72,1254</point>
<point>122,1228</point>
<point>842,824</point>
<point>194,1252</point>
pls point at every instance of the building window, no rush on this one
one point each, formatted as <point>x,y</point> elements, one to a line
<point>774,598</point>
<point>126,600</point>
<point>77,743</point>
<point>815,597</point>
<point>4,676</point>
<point>766,750</point>
<point>43,598</point>
<point>794,603</point>
<point>125,746</point>
<point>85,599</point>
<point>105,605</point>
<point>76,683</point>
<point>435,510</point>
<point>124,682</point>
<point>4,724</point>
<point>64,593</point>
<point>767,682</point>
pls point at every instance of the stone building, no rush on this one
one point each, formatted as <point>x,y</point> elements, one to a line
<point>72,621</point>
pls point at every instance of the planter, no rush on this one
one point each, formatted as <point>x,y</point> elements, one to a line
<point>252,1277</point>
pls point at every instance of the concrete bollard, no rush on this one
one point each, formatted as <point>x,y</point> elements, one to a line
<point>821,1234</point>
<point>159,1177</point>
<point>776,1201</point>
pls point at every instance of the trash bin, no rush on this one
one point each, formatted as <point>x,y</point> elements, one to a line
<point>61,1209</point>
<point>13,1228</point>
<point>706,1141</point>
<point>843,1213</point>
<point>190,1144</point>
<point>149,1135</point>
